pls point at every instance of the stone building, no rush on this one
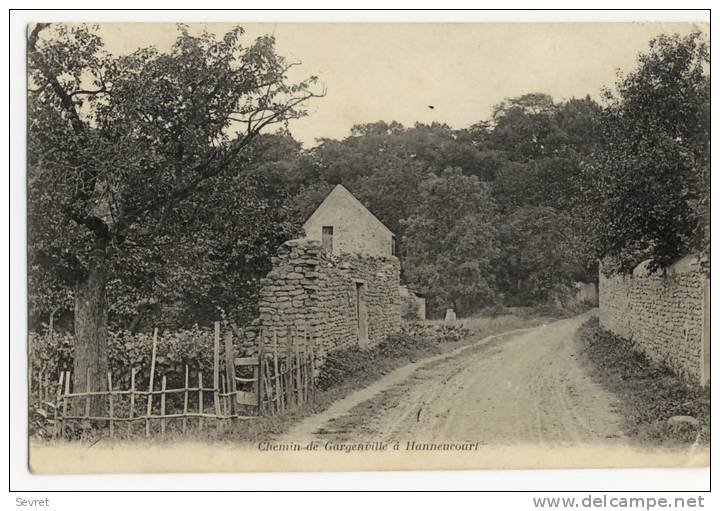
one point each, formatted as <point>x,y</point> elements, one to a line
<point>340,300</point>
<point>343,225</point>
<point>340,284</point>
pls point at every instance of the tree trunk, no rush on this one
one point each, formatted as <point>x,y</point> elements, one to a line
<point>91,349</point>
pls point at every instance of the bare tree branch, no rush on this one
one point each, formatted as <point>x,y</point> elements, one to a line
<point>87,175</point>
<point>65,100</point>
<point>89,92</point>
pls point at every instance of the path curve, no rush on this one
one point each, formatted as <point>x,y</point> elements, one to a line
<point>521,386</point>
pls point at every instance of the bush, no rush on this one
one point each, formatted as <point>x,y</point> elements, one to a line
<point>410,342</point>
<point>409,309</point>
<point>193,347</point>
<point>404,344</point>
<point>339,365</point>
<point>41,422</point>
<point>651,393</point>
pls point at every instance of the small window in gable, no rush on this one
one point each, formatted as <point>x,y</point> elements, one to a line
<point>327,239</point>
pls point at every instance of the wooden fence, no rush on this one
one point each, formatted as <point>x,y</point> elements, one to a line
<point>288,374</point>
<point>279,377</point>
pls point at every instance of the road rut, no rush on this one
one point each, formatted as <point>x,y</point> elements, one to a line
<point>531,386</point>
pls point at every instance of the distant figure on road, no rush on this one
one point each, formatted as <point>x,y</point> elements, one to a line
<point>450,315</point>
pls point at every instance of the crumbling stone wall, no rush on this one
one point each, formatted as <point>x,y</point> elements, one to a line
<point>586,292</point>
<point>412,306</point>
<point>664,314</point>
<point>310,290</point>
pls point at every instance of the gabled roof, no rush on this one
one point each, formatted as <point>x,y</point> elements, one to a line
<point>340,190</point>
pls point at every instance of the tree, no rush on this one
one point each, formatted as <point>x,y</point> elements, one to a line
<point>207,264</point>
<point>383,163</point>
<point>450,242</point>
<point>648,186</point>
<point>525,126</point>
<point>206,259</point>
<point>118,144</point>
<point>549,181</point>
<point>543,143</point>
<point>541,255</point>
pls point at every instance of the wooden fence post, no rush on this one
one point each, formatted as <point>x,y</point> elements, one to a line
<point>230,370</point>
<point>298,374</point>
<point>270,397</point>
<point>223,398</point>
<point>312,365</point>
<point>152,381</point>
<point>162,406</point>
<point>288,370</point>
<point>185,398</point>
<point>279,397</point>
<point>110,404</point>
<point>87,389</point>
<point>132,400</point>
<point>216,370</point>
<point>57,404</point>
<point>306,364</point>
<point>200,400</point>
<point>260,371</point>
<point>65,398</point>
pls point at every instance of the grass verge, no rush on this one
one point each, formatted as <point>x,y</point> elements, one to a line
<point>650,393</point>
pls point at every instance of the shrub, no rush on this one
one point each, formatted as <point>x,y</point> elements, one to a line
<point>193,346</point>
<point>339,365</point>
<point>410,342</point>
<point>40,419</point>
<point>409,309</point>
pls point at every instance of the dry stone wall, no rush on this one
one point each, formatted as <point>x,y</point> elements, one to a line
<point>663,314</point>
<point>586,292</point>
<point>412,306</point>
<point>311,291</point>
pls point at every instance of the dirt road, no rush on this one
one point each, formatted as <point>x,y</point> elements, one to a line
<point>525,396</point>
<point>530,386</point>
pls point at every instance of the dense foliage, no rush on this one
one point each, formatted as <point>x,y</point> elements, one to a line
<point>648,185</point>
<point>532,272</point>
<point>451,243</point>
<point>175,349</point>
<point>459,201</point>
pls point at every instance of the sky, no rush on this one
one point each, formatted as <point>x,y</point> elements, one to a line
<point>394,72</point>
